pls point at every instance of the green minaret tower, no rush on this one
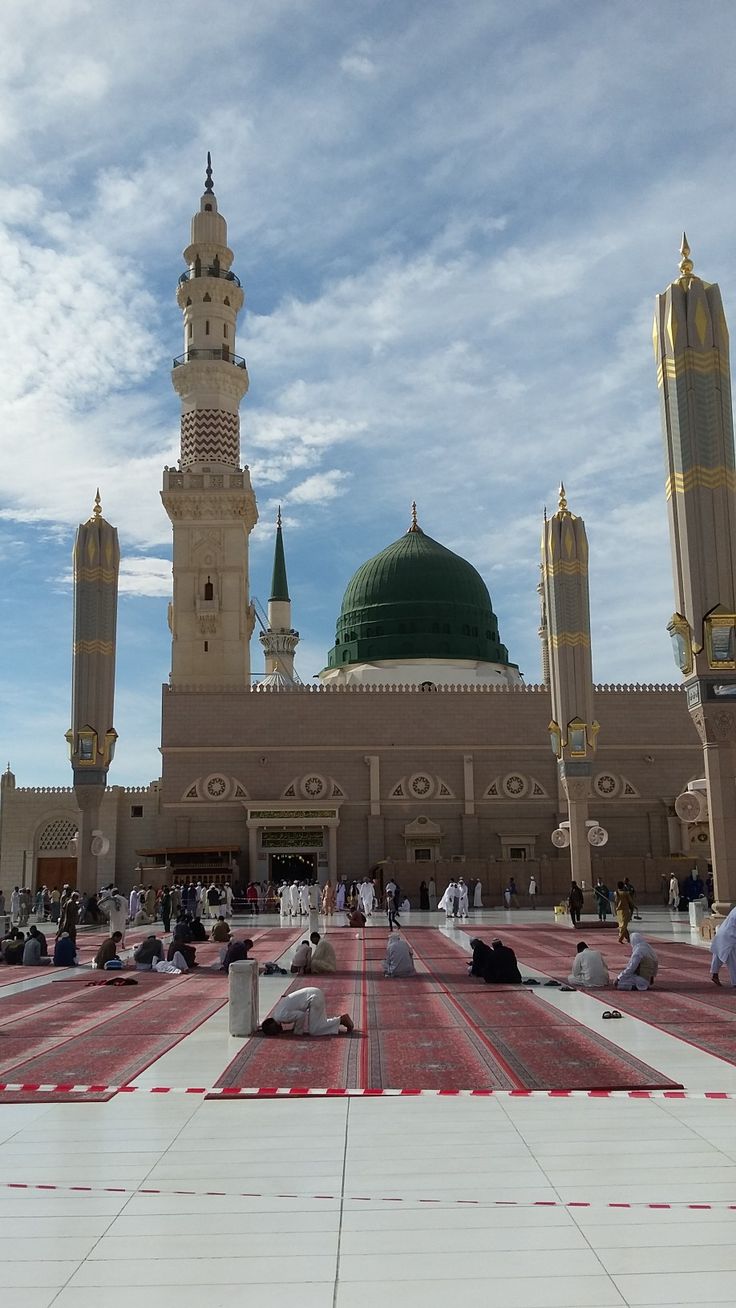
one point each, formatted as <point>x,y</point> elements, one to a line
<point>280,640</point>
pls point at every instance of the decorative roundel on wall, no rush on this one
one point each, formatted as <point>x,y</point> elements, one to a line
<point>216,786</point>
<point>515,785</point>
<point>606,785</point>
<point>421,786</point>
<point>313,786</point>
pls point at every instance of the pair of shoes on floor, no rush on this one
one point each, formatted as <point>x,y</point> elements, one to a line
<point>612,1013</point>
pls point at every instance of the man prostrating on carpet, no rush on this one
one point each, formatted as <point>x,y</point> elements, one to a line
<point>303,1013</point>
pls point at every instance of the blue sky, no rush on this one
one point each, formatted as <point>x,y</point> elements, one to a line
<point>450,219</point>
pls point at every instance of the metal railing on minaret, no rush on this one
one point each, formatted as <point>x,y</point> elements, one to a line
<point>92,737</point>
<point>691,351</point>
<point>573,729</point>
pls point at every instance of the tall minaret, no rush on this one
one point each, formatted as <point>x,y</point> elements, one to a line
<point>280,641</point>
<point>209,499</point>
<point>573,730</point>
<point>91,737</point>
<point>693,372</point>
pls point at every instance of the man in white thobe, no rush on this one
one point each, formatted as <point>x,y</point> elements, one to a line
<point>462,896</point>
<point>116,908</point>
<point>313,897</point>
<point>283,894</point>
<point>304,898</point>
<point>367,897</point>
<point>589,969</point>
<point>294,899</point>
<point>340,897</point>
<point>449,900</point>
<point>303,1012</point>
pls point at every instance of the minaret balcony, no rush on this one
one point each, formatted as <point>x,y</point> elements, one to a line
<point>213,270</point>
<point>221,353</point>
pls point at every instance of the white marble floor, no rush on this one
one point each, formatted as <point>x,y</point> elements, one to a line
<point>342,1204</point>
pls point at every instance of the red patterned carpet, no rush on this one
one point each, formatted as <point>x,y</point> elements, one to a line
<point>684,1002</point>
<point>438,1030</point>
<point>71,1032</point>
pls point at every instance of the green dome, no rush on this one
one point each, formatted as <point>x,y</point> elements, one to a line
<point>416,600</point>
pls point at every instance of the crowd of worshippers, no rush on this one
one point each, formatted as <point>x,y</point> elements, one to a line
<point>497,964</point>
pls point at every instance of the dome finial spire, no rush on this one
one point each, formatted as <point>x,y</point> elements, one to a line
<point>208,186</point>
<point>97,510</point>
<point>278,517</point>
<point>414,524</point>
<point>562,502</point>
<point>686,263</point>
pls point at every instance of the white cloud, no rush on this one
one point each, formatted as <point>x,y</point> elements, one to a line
<point>320,488</point>
<point>145,576</point>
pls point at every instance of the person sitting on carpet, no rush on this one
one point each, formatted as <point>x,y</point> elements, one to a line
<point>303,1013</point>
<point>197,929</point>
<point>108,950</point>
<point>399,959</point>
<point>301,962</point>
<point>149,951</point>
<point>482,958</point>
<point>503,969</point>
<point>182,955</point>
<point>65,951</point>
<point>356,918</point>
<point>141,918</point>
<point>40,937</point>
<point>236,952</point>
<point>722,948</point>
<point>33,954</point>
<point>589,969</point>
<point>183,928</point>
<point>324,958</point>
<point>641,968</point>
<point>221,931</point>
<point>13,946</point>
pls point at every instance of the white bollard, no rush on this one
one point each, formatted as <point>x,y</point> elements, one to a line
<point>243,997</point>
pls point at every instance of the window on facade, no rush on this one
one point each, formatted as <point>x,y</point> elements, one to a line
<point>209,590</point>
<point>224,330</point>
<point>191,330</point>
<point>207,327</point>
<point>517,852</point>
<point>206,646</point>
<point>422,856</point>
<point>136,810</point>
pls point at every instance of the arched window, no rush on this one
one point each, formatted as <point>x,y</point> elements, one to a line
<point>209,590</point>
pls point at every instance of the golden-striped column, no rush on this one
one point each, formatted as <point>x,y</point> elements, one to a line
<point>573,730</point>
<point>692,355</point>
<point>92,737</point>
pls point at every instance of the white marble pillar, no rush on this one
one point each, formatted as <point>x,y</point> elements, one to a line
<point>243,997</point>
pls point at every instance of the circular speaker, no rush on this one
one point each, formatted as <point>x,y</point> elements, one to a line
<point>691,806</point>
<point>597,836</point>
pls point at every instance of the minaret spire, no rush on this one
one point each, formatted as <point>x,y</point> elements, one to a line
<point>209,497</point>
<point>566,617</point>
<point>280,641</point>
<point>691,349</point>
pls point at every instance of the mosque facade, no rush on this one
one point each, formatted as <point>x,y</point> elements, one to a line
<point>421,746</point>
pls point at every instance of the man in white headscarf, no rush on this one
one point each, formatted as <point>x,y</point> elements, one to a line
<point>294,899</point>
<point>462,898</point>
<point>723,949</point>
<point>367,896</point>
<point>641,968</point>
<point>450,900</point>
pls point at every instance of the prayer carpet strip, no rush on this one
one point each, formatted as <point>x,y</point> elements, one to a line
<point>95,1034</point>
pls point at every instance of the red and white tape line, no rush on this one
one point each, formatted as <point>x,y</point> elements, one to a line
<point>409,1200</point>
<point>309,1092</point>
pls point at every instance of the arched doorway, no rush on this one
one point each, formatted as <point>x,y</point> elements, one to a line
<point>55,866</point>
